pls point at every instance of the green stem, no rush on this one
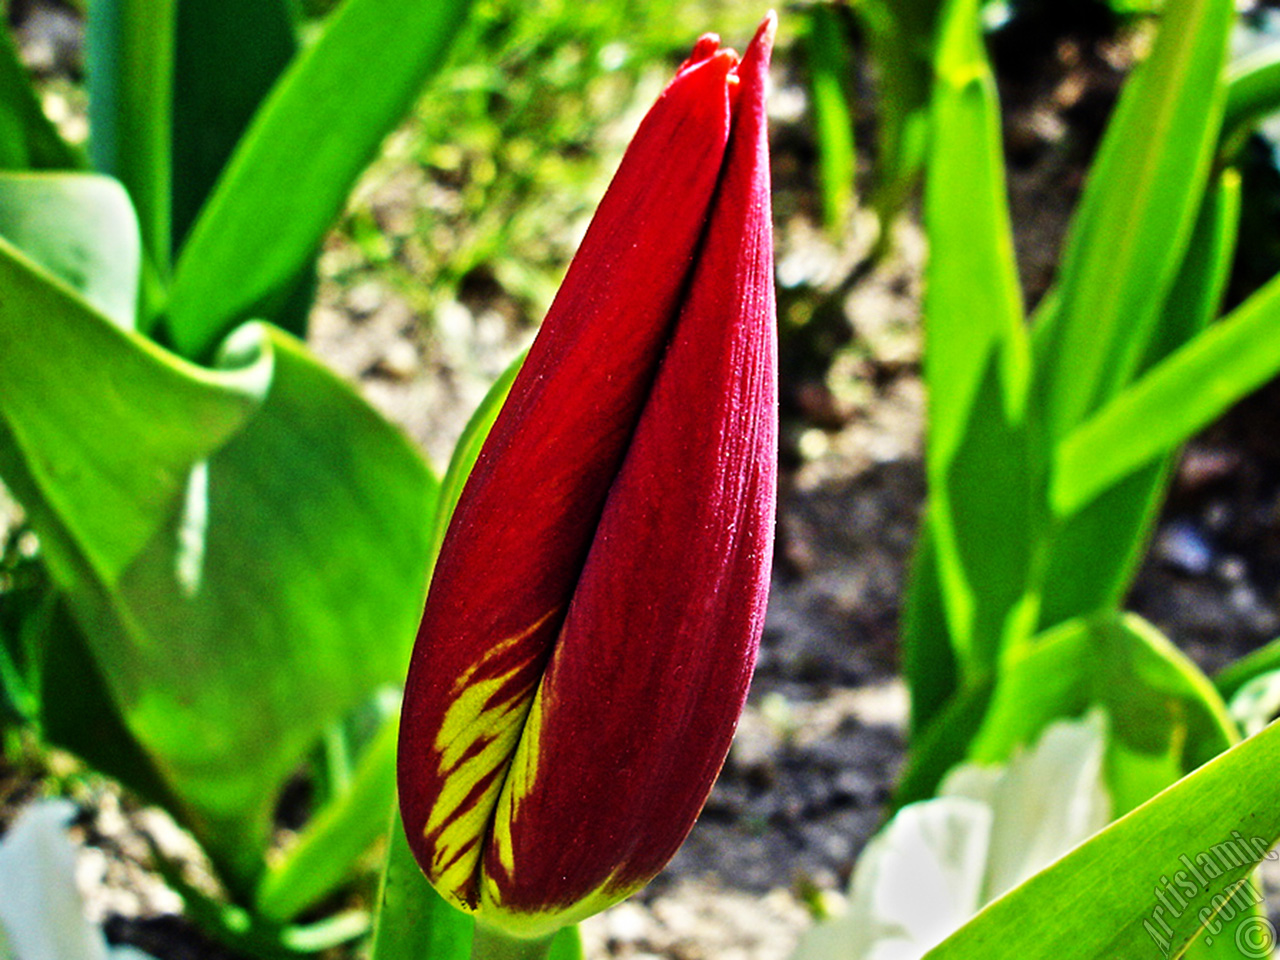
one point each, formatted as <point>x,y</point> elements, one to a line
<point>490,944</point>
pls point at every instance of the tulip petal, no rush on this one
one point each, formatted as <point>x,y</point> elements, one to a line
<point>522,528</point>
<point>641,695</point>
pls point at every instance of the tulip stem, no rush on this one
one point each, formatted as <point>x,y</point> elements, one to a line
<point>490,944</point>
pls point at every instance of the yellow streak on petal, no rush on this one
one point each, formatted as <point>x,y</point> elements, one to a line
<point>520,780</point>
<point>459,830</point>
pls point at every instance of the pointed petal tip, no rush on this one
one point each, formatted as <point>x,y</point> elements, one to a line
<point>765,33</point>
<point>755,62</point>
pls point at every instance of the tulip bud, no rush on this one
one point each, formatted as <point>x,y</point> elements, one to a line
<point>595,611</point>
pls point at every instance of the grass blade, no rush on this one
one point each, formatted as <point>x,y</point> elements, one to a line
<point>828,58</point>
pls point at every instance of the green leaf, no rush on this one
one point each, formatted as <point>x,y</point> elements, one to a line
<point>27,139</point>
<point>81,228</point>
<point>1253,92</point>
<point>1179,396</point>
<point>973,307</point>
<point>1092,556</point>
<point>1235,675</point>
<point>986,516</point>
<point>983,508</point>
<point>113,459</point>
<point>269,212</point>
<point>1166,716</point>
<point>467,450</point>
<point>900,35</point>
<point>334,839</point>
<point>1195,843</point>
<point>945,742</point>
<point>129,50</point>
<point>413,921</point>
<point>928,662</point>
<point>1198,289</point>
<point>228,55</point>
<point>77,713</point>
<point>827,50</point>
<point>245,550</point>
<point>1137,213</point>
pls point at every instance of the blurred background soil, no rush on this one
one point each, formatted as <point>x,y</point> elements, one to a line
<point>447,257</point>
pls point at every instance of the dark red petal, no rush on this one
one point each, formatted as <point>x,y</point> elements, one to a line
<point>520,534</point>
<point>644,688</point>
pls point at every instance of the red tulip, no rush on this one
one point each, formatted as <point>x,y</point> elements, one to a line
<point>595,611</point>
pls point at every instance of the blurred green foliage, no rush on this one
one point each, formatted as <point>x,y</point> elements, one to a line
<point>495,175</point>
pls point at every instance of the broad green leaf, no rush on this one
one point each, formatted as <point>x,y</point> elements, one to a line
<point>1180,395</point>
<point>129,52</point>
<point>269,212</point>
<point>239,561</point>
<point>311,599</point>
<point>77,713</point>
<point>1166,717</point>
<point>1093,555</point>
<point>1195,843</point>
<point>28,141</point>
<point>828,56</point>
<point>335,838</point>
<point>113,459</point>
<point>1137,213</point>
<point>467,450</point>
<point>986,515</point>
<point>227,56</point>
<point>81,228</point>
